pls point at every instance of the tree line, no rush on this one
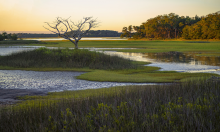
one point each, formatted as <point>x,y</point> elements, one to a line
<point>102,33</point>
<point>91,33</point>
<point>171,25</point>
<point>9,36</point>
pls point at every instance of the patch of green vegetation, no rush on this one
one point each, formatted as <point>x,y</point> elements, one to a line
<point>175,107</point>
<point>179,46</point>
<point>197,42</point>
<point>145,75</point>
<point>145,46</point>
<point>65,58</point>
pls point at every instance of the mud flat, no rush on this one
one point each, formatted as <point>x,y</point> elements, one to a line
<point>9,96</point>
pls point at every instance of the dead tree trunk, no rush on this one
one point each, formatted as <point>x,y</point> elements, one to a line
<point>69,30</point>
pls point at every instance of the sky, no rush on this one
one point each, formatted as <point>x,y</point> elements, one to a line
<point>31,15</point>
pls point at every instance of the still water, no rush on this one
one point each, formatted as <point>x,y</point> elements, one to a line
<point>51,81</point>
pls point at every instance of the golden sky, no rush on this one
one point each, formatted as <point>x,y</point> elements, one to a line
<point>30,15</point>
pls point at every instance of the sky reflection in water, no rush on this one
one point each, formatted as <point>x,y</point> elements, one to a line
<point>181,62</point>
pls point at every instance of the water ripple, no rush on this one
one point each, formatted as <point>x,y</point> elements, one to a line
<point>51,81</point>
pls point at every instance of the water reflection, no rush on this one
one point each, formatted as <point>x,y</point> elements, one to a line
<point>189,57</point>
<point>52,81</point>
<point>170,57</point>
<point>15,49</point>
<point>176,61</point>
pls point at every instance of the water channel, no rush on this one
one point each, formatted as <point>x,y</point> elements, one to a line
<point>58,81</point>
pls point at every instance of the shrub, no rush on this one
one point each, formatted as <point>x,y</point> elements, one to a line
<point>1,37</point>
<point>14,37</point>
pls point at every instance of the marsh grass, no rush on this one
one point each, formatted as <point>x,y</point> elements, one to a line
<point>65,58</point>
<point>190,106</point>
<point>140,75</point>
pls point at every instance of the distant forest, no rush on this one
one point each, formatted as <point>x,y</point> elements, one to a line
<point>173,26</point>
<point>91,33</point>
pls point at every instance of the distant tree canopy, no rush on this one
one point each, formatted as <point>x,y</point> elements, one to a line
<point>35,35</point>
<point>207,28</point>
<point>91,33</point>
<point>102,33</point>
<point>5,36</point>
<point>173,26</point>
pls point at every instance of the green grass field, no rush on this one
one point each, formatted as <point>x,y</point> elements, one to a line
<point>208,47</point>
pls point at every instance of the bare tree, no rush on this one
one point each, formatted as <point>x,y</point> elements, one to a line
<point>70,30</point>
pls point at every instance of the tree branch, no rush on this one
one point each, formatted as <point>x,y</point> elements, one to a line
<point>68,31</point>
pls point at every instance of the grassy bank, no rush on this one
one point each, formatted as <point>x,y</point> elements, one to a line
<point>140,76</point>
<point>190,106</point>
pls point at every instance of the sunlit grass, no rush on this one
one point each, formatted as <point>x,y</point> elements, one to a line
<point>154,46</point>
<point>147,46</point>
<point>140,76</point>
